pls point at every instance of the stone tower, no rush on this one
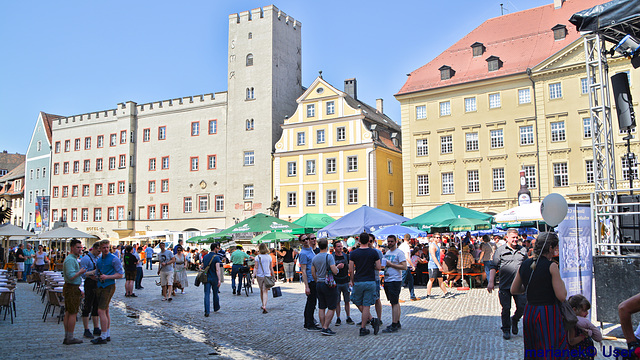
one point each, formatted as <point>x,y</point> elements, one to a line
<point>264,81</point>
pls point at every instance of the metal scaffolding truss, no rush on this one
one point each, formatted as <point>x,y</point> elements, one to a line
<point>604,199</point>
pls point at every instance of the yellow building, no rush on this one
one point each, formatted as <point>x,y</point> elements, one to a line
<point>511,95</point>
<point>336,154</point>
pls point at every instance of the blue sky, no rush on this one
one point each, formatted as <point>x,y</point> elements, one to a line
<point>74,57</point>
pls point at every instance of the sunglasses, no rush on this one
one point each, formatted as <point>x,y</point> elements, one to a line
<point>312,238</point>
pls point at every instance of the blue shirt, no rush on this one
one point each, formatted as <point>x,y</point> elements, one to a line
<point>306,258</point>
<point>88,262</point>
<point>108,265</point>
<point>212,275</point>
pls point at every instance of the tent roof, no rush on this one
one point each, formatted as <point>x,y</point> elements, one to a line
<point>364,219</point>
<point>12,230</point>
<point>65,233</point>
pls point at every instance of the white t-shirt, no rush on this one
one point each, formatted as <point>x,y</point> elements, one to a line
<point>396,257</point>
<point>264,269</point>
<point>40,258</point>
<point>406,249</point>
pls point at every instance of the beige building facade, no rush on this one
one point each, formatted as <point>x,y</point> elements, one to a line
<point>188,164</point>
<point>511,95</point>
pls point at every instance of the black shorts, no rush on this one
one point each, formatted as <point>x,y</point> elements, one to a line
<point>327,297</point>
<point>435,273</point>
<point>90,298</point>
<point>392,290</point>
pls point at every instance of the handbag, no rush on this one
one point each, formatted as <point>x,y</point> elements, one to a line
<point>268,281</point>
<point>328,279</point>
<point>202,274</point>
<point>568,315</point>
<point>276,291</point>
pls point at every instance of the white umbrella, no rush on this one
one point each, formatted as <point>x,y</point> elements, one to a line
<point>528,212</point>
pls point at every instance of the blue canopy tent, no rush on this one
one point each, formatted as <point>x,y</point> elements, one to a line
<point>398,231</point>
<point>364,219</point>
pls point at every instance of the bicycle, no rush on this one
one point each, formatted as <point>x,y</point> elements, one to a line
<point>245,273</point>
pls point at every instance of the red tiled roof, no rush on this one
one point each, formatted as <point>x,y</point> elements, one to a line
<point>521,40</point>
<point>11,161</point>
<point>48,120</point>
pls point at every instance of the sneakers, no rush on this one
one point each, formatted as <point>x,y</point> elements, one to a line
<point>376,326</point>
<point>206,315</point>
<point>514,327</point>
<point>447,295</point>
<point>72,341</point>
<point>87,334</point>
<point>414,299</point>
<point>390,329</point>
<point>314,328</point>
<point>349,321</point>
<point>98,341</point>
<point>364,331</point>
<point>133,295</point>
<point>338,322</point>
<point>327,332</point>
<point>506,335</point>
<point>234,291</point>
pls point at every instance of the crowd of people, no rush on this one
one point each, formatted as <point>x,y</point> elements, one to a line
<point>334,275</point>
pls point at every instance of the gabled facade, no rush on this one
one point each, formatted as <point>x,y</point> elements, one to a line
<point>518,100</point>
<point>12,193</point>
<point>336,154</point>
<point>38,169</point>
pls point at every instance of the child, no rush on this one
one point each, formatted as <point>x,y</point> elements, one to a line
<point>585,333</point>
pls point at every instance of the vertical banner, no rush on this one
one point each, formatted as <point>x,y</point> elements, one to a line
<point>38,220</point>
<point>43,202</point>
<point>576,258</point>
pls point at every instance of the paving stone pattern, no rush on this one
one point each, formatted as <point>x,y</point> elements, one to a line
<point>464,327</point>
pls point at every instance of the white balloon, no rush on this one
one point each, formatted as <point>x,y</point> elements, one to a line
<point>553,209</point>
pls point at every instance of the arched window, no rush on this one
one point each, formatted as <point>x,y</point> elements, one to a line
<point>250,95</point>
<point>250,60</point>
<point>249,124</point>
<point>250,36</point>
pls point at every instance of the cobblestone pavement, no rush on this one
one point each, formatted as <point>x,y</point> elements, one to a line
<point>463,327</point>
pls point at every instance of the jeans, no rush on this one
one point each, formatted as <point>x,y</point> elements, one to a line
<point>487,268</point>
<point>234,273</point>
<point>288,269</point>
<point>310,306</point>
<point>505,301</point>
<point>407,281</point>
<point>139,276</point>
<point>27,271</point>
<point>209,287</point>
<point>149,264</point>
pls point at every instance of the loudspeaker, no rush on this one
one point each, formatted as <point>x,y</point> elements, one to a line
<point>622,97</point>
<point>629,224</point>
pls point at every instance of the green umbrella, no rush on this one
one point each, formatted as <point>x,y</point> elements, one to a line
<point>276,236</point>
<point>445,212</point>
<point>195,239</point>
<point>464,224</point>
<point>259,223</point>
<point>215,237</point>
<point>312,222</point>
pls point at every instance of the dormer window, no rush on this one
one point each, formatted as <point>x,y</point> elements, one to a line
<point>478,49</point>
<point>559,32</point>
<point>446,72</point>
<point>494,63</point>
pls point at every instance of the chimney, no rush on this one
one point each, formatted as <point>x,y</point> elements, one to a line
<point>351,88</point>
<point>379,106</point>
<point>557,4</point>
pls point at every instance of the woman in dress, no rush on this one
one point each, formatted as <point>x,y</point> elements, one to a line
<point>261,269</point>
<point>180,269</point>
<point>543,324</point>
